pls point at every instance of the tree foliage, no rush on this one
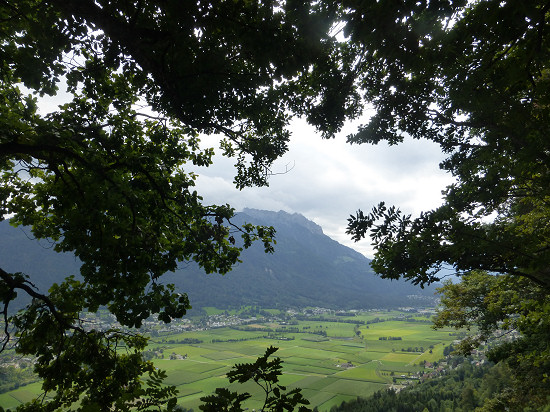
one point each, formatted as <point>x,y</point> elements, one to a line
<point>512,314</point>
<point>473,77</point>
<point>108,180</point>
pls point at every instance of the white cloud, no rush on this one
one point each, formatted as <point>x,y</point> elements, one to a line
<point>332,179</point>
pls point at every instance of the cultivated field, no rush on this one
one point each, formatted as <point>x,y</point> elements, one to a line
<point>350,361</point>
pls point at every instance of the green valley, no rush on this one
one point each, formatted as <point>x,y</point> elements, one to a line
<point>333,356</point>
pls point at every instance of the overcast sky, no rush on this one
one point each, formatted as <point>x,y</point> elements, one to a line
<point>331,179</point>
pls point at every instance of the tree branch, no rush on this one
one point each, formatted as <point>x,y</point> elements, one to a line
<point>26,287</point>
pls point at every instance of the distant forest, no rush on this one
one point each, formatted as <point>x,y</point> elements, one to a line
<point>462,390</point>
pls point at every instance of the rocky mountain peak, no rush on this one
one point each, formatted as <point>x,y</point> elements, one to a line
<point>282,217</point>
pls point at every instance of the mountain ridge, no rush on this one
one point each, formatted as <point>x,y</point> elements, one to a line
<point>308,268</point>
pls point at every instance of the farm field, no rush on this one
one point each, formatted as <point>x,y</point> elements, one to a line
<point>353,359</point>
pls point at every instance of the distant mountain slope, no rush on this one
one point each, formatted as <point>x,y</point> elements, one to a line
<point>307,269</point>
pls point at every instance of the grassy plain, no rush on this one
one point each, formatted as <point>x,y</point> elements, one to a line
<point>350,361</point>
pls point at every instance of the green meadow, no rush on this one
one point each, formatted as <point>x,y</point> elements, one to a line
<point>350,361</point>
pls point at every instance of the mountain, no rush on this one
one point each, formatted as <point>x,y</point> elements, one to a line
<point>21,252</point>
<point>307,269</point>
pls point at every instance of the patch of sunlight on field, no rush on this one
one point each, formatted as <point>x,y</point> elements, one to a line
<point>366,372</point>
<point>388,366</point>
<point>214,311</point>
<point>437,353</point>
<point>401,357</point>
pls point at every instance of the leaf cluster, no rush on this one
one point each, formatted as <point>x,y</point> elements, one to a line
<point>265,373</point>
<point>471,76</point>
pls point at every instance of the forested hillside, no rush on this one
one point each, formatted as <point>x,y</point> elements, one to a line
<point>461,390</point>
